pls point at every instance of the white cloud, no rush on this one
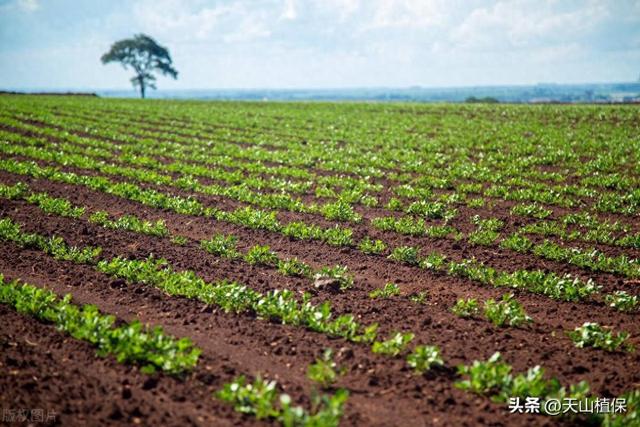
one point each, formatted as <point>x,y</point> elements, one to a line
<point>342,9</point>
<point>175,17</point>
<point>29,5</point>
<point>252,26</point>
<point>524,23</point>
<point>407,13</point>
<point>185,22</point>
<point>558,54</point>
<point>289,11</point>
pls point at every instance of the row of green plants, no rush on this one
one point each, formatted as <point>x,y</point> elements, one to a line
<point>504,312</point>
<point>247,216</point>
<point>54,245</point>
<point>413,227</point>
<point>259,254</point>
<point>558,287</point>
<point>602,232</point>
<point>133,342</point>
<point>339,210</point>
<point>281,305</point>
<point>48,204</point>
<point>487,234</point>
<point>487,230</point>
<point>277,305</point>
<point>63,207</point>
<point>261,399</point>
<point>565,288</point>
<point>591,259</point>
<point>143,155</point>
<point>217,154</point>
<point>494,378</point>
<point>132,223</point>
<point>221,245</point>
<point>226,246</point>
<point>295,267</point>
<point>591,334</point>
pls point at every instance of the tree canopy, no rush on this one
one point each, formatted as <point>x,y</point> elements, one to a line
<point>145,56</point>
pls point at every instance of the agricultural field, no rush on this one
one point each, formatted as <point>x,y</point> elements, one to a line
<point>319,264</point>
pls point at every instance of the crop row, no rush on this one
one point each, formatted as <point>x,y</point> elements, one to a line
<point>591,259</point>
<point>494,378</point>
<point>129,343</point>
<point>279,305</point>
<point>134,343</point>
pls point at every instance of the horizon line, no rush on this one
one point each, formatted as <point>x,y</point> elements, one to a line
<point>336,88</point>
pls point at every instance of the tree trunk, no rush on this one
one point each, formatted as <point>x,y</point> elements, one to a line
<point>142,89</point>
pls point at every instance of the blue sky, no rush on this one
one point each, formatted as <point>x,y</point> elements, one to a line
<point>324,43</point>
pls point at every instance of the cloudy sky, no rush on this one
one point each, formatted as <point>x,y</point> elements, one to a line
<point>324,43</point>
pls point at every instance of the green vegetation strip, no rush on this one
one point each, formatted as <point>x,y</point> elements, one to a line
<point>591,259</point>
<point>506,312</point>
<point>564,288</point>
<point>260,399</point>
<point>492,167</point>
<point>339,211</point>
<point>129,343</point>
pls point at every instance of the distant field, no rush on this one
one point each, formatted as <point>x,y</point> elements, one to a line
<point>413,241</point>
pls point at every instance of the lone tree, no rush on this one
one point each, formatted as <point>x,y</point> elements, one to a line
<point>145,56</point>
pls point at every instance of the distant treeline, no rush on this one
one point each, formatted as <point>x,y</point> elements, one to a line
<point>485,100</point>
<point>6,92</point>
